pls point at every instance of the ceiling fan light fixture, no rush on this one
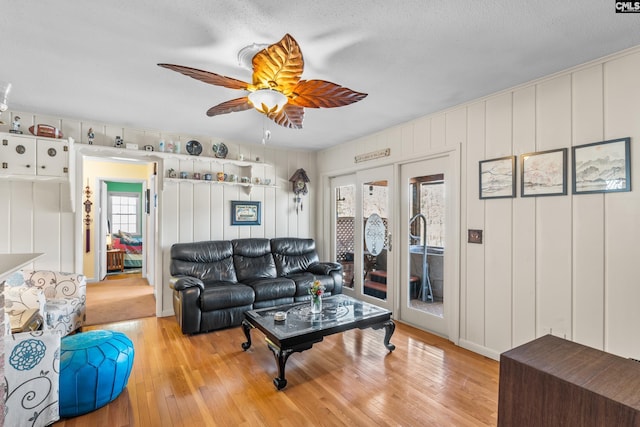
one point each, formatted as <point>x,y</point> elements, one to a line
<point>267,100</point>
<point>278,66</point>
<point>5,88</point>
<point>246,54</point>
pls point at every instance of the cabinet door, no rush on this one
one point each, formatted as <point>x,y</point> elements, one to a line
<point>18,155</point>
<point>53,157</point>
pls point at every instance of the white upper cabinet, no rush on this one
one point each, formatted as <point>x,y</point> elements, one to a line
<point>28,157</point>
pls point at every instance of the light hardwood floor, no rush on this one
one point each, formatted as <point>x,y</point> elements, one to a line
<point>349,379</point>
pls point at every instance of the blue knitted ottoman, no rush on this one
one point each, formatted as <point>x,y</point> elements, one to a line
<point>94,369</point>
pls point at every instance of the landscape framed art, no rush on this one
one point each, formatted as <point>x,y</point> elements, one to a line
<point>498,178</point>
<point>543,173</point>
<point>602,167</point>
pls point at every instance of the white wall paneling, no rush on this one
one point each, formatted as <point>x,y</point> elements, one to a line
<point>5,218</point>
<point>21,217</point>
<point>46,222</point>
<point>562,264</point>
<point>588,216</point>
<point>622,210</point>
<point>553,214</point>
<point>499,231</point>
<point>524,224</point>
<point>473,277</point>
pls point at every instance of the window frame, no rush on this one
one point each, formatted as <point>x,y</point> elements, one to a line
<point>138,213</point>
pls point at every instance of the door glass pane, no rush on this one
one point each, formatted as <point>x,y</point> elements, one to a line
<point>375,222</point>
<point>345,231</point>
<point>426,243</point>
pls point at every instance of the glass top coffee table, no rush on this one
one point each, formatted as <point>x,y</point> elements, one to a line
<point>301,328</point>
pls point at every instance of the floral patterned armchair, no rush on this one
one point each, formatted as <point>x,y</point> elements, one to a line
<point>60,297</point>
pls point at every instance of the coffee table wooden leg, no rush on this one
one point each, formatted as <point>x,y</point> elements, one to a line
<point>247,327</point>
<point>281,357</point>
<point>389,329</point>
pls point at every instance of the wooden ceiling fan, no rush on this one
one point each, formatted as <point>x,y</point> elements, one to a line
<point>276,89</point>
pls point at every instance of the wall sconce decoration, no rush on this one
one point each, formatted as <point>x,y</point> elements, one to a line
<point>299,180</point>
<point>87,217</point>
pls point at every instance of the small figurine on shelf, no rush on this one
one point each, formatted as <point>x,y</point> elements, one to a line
<point>119,142</point>
<point>15,125</point>
<point>91,136</point>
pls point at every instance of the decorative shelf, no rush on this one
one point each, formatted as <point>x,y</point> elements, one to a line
<point>124,152</point>
<point>204,181</point>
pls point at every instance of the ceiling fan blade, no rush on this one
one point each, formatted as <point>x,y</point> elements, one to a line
<point>323,94</point>
<point>278,66</point>
<point>207,76</point>
<point>239,104</point>
<point>290,116</point>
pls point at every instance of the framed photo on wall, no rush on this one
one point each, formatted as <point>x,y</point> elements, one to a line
<point>602,167</point>
<point>543,173</point>
<point>498,178</point>
<point>245,213</point>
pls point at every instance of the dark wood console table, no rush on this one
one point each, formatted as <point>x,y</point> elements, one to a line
<point>555,382</point>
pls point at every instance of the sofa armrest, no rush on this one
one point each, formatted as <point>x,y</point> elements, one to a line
<point>324,268</point>
<point>186,302</point>
<point>180,283</point>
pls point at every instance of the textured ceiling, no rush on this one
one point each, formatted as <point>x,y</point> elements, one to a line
<point>96,60</point>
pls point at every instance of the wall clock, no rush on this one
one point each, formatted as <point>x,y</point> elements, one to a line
<point>299,182</point>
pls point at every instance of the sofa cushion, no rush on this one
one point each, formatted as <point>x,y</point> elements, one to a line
<point>293,255</point>
<point>209,261</point>
<point>271,289</point>
<point>304,281</point>
<point>224,294</point>
<point>252,259</point>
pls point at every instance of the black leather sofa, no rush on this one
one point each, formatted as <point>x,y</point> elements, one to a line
<point>215,282</point>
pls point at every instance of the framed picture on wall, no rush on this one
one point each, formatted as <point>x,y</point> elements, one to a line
<point>602,167</point>
<point>245,213</point>
<point>498,178</point>
<point>543,173</point>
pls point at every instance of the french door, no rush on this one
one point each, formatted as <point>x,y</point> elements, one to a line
<point>428,245</point>
<point>363,203</point>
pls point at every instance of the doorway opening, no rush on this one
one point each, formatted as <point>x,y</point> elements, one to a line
<point>125,233</point>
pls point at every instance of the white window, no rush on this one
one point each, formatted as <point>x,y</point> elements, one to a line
<point>124,212</point>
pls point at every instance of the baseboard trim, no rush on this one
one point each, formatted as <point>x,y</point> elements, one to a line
<point>487,352</point>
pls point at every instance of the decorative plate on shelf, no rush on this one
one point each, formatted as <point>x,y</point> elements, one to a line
<point>194,148</point>
<point>220,150</point>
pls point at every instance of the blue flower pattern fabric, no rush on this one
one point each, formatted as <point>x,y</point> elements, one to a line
<point>16,279</point>
<point>32,378</point>
<point>27,354</point>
